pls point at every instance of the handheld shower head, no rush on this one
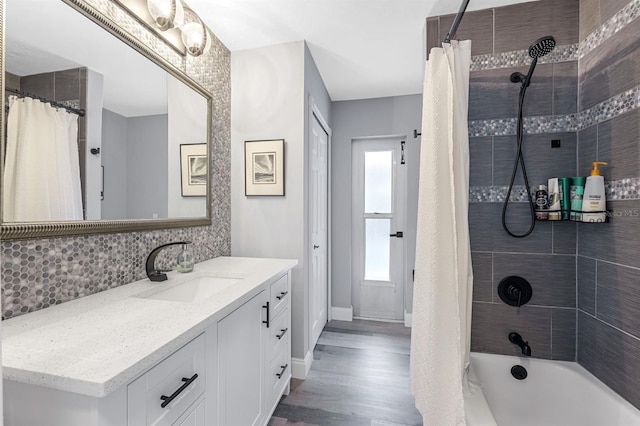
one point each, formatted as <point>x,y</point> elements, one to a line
<point>538,49</point>
<point>542,46</point>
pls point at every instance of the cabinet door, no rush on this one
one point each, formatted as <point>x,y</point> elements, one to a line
<point>241,365</point>
<point>193,417</point>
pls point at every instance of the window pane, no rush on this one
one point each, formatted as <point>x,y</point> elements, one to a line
<point>377,181</point>
<point>377,250</point>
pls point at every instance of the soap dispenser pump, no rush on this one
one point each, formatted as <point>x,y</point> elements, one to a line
<point>185,260</point>
<point>594,198</point>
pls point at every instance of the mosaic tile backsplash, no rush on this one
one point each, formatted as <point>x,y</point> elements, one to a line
<point>40,273</point>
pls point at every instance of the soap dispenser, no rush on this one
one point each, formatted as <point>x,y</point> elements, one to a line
<point>185,260</point>
<point>594,198</point>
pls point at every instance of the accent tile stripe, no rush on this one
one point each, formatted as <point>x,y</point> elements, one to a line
<point>520,58</point>
<point>624,17</point>
<point>565,53</point>
<point>605,110</point>
<point>626,189</point>
<point>612,107</point>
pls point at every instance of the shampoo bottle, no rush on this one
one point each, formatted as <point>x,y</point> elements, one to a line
<point>594,199</point>
<point>541,200</point>
<point>576,191</point>
<point>554,199</point>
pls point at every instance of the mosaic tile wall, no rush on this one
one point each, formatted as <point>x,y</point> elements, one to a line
<point>39,273</point>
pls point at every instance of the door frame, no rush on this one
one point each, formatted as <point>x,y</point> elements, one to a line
<point>401,174</point>
<point>315,114</point>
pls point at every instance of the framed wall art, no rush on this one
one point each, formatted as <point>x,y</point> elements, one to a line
<point>193,167</point>
<point>264,167</point>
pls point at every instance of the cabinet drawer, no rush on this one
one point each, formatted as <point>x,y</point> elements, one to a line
<point>280,332</point>
<point>279,295</point>
<point>278,375</point>
<point>181,376</point>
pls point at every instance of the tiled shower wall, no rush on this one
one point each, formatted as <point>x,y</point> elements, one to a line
<point>608,255</point>
<point>38,273</point>
<point>500,39</point>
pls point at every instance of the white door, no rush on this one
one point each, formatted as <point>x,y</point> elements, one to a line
<point>378,243</point>
<point>318,283</point>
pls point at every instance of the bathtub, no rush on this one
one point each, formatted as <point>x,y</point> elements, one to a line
<point>555,393</point>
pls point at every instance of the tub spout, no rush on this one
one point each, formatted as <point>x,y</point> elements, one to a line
<point>516,339</point>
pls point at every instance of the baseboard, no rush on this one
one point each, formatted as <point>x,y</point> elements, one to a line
<point>300,367</point>
<point>342,314</point>
<point>408,318</point>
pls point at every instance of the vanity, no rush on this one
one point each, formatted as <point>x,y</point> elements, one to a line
<point>211,347</point>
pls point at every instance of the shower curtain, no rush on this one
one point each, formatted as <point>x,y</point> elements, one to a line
<point>41,180</point>
<point>440,335</point>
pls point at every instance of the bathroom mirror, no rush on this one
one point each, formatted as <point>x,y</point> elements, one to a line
<point>143,143</point>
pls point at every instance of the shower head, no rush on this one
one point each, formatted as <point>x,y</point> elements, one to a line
<point>538,49</point>
<point>542,46</point>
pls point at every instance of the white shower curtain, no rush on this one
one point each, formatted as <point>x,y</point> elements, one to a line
<point>41,180</point>
<point>441,333</point>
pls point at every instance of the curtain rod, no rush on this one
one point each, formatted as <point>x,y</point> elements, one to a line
<point>454,27</point>
<point>55,104</point>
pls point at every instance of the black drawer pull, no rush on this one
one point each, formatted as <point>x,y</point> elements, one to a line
<point>282,294</point>
<point>267,321</point>
<point>284,368</point>
<point>167,399</point>
<point>284,331</point>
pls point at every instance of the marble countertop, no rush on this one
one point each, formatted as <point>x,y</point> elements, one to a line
<point>95,344</point>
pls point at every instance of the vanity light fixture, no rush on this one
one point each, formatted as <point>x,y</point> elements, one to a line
<point>166,14</point>
<point>174,21</point>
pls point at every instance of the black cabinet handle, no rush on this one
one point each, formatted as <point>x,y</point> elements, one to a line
<point>167,399</point>
<point>267,308</point>
<point>284,368</point>
<point>284,331</point>
<point>282,294</point>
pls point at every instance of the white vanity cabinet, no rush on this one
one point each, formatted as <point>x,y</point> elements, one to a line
<point>166,393</point>
<point>278,353</point>
<point>223,362</point>
<point>254,357</point>
<point>240,364</point>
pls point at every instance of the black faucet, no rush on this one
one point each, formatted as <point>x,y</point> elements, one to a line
<point>516,339</point>
<point>159,274</point>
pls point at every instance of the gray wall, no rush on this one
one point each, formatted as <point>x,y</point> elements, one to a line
<point>271,86</point>
<point>547,257</point>
<point>114,161</point>
<point>147,192</point>
<point>370,117</point>
<point>608,261</point>
<point>135,170</point>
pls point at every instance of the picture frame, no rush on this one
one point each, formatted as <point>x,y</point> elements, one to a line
<point>264,167</point>
<point>193,169</point>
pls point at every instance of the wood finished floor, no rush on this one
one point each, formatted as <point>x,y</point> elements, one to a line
<point>359,377</point>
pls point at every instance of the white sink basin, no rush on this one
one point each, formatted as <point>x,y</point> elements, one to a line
<point>191,289</point>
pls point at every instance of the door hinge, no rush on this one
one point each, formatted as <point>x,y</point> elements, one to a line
<point>402,152</point>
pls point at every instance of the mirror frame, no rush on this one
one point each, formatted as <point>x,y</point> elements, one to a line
<point>29,230</point>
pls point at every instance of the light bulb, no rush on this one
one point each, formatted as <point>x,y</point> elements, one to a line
<point>166,14</point>
<point>196,38</point>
